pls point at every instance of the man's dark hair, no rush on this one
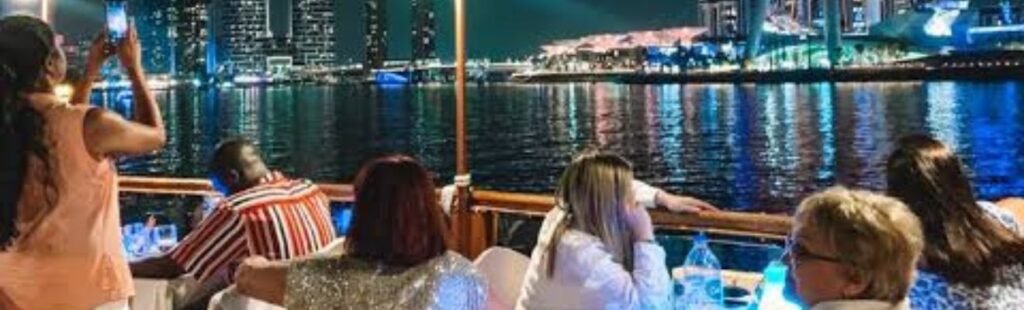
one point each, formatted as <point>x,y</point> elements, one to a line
<point>228,156</point>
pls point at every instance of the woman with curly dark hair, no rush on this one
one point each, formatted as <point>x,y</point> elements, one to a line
<point>59,215</point>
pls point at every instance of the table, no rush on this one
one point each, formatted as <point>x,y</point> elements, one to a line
<point>161,294</point>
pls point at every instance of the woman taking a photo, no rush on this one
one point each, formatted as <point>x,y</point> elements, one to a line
<point>59,214</point>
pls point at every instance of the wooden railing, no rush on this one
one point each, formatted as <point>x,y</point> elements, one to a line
<point>480,221</point>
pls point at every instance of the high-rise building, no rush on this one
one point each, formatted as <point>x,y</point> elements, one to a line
<point>424,32</point>
<point>895,7</point>
<point>153,24</point>
<point>244,31</point>
<point>853,18</point>
<point>313,33</point>
<point>376,33</point>
<point>855,15</point>
<point>724,19</point>
<point>191,36</point>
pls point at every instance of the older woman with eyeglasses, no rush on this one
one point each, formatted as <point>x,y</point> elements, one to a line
<point>853,250</point>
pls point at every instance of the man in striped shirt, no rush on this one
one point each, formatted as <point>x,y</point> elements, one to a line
<point>264,214</point>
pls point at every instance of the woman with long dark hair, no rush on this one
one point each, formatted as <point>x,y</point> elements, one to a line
<point>396,253</point>
<point>60,238</point>
<point>974,255</point>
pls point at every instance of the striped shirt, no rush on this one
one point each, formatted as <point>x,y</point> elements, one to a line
<point>278,219</point>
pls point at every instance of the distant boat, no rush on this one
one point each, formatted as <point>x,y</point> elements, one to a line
<point>388,78</point>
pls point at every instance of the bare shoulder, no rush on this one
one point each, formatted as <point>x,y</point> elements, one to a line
<point>108,133</point>
<point>100,119</point>
<point>1011,202</point>
<point>1015,205</point>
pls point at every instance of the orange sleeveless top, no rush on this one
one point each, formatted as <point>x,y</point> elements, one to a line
<point>69,257</point>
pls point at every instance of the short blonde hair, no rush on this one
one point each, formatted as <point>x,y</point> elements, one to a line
<point>878,238</point>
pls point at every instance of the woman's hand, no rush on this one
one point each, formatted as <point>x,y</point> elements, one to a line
<point>99,52</point>
<point>639,222</point>
<point>129,52</point>
<point>249,267</point>
<point>683,204</point>
<point>262,279</point>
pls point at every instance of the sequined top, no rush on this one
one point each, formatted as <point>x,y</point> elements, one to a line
<point>341,282</point>
<point>932,291</point>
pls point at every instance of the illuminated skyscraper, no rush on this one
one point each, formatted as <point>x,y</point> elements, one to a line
<point>245,31</point>
<point>376,37</point>
<point>424,32</point>
<point>154,26</point>
<point>724,19</point>
<point>313,33</point>
<point>190,33</point>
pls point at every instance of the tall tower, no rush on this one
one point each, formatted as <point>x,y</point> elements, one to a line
<point>245,31</point>
<point>755,17</point>
<point>724,19</point>
<point>190,22</point>
<point>832,31</point>
<point>424,31</point>
<point>376,33</point>
<point>313,33</point>
<point>153,24</point>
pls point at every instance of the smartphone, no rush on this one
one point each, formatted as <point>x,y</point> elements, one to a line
<point>117,20</point>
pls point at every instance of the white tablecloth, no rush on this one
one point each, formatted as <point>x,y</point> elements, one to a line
<point>161,294</point>
<point>229,299</point>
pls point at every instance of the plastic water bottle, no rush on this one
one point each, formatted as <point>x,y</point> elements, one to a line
<point>772,288</point>
<point>702,278</point>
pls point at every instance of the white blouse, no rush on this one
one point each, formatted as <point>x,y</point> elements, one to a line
<point>860,304</point>
<point>645,195</point>
<point>586,277</point>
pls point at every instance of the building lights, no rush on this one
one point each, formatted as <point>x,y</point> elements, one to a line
<point>941,23</point>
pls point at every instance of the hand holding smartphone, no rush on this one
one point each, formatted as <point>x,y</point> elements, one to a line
<point>121,37</point>
<point>117,21</point>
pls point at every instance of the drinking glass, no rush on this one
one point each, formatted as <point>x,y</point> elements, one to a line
<point>167,237</point>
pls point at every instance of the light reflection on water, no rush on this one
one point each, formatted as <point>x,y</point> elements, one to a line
<point>743,147</point>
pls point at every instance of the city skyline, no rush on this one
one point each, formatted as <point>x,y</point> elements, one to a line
<point>499,29</point>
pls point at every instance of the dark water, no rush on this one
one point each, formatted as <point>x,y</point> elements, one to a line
<point>742,147</point>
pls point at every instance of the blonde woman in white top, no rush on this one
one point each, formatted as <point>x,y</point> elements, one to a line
<point>596,249</point>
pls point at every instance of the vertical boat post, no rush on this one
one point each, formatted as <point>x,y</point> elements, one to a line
<point>44,11</point>
<point>473,232</point>
<point>461,167</point>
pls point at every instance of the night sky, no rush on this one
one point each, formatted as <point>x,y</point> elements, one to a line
<point>497,28</point>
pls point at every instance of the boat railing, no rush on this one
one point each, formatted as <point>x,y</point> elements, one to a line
<point>477,228</point>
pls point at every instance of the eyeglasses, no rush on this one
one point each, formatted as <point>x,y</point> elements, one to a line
<point>796,253</point>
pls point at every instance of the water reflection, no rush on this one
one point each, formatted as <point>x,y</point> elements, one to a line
<point>744,147</point>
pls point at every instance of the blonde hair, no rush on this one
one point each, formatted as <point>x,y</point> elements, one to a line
<point>878,238</point>
<point>594,191</point>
